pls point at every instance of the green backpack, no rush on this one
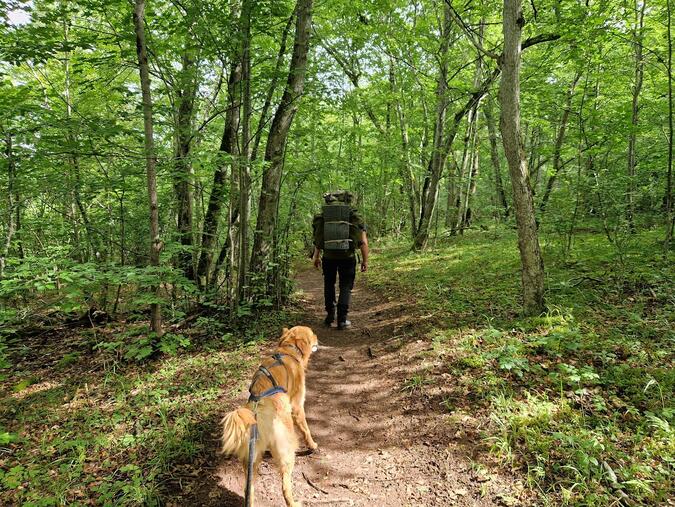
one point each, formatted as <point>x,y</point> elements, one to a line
<point>334,227</point>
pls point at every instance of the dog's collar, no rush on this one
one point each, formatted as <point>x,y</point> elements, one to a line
<point>293,345</point>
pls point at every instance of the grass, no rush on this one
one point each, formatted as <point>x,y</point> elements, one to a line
<point>79,425</point>
<point>581,398</point>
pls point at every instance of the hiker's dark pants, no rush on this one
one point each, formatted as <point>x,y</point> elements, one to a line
<point>346,269</point>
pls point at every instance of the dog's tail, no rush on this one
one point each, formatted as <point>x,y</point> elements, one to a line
<point>236,432</point>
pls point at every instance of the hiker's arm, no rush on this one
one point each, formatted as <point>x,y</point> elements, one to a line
<point>316,258</point>
<point>364,251</point>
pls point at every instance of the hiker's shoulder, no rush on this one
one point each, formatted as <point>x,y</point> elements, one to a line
<point>356,215</point>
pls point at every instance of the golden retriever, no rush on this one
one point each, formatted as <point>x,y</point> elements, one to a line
<point>277,401</point>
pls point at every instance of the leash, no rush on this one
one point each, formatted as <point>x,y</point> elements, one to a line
<point>248,498</point>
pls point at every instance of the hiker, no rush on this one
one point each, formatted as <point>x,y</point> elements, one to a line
<point>338,231</point>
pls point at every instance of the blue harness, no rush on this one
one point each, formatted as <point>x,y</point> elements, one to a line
<point>276,388</point>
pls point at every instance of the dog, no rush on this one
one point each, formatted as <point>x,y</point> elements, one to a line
<point>277,401</point>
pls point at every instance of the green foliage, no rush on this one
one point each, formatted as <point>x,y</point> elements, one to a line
<point>580,398</point>
<point>121,431</point>
<point>58,286</point>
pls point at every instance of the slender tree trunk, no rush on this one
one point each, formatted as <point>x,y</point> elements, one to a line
<point>465,171</point>
<point>670,211</point>
<point>18,233</point>
<point>73,157</point>
<point>451,193</point>
<point>559,141</point>
<point>464,210</point>
<point>456,198</point>
<point>182,168</point>
<point>588,166</point>
<point>496,162</point>
<point>264,113</point>
<point>229,151</point>
<point>150,156</point>
<point>406,163</point>
<point>441,150</point>
<point>638,37</point>
<point>276,142</point>
<point>509,96</point>
<point>533,150</point>
<point>244,166</point>
<point>437,159</point>
<point>11,203</point>
<point>473,184</point>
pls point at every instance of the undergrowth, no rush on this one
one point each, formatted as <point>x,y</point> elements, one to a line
<point>581,398</point>
<point>84,421</point>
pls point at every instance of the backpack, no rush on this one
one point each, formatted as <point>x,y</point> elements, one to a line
<point>336,228</point>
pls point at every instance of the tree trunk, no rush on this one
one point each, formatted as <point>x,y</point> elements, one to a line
<point>150,157</point>
<point>11,203</point>
<point>638,37</point>
<point>406,163</point>
<point>276,141</point>
<point>509,96</point>
<point>437,161</point>
<point>494,155</point>
<point>73,157</point>
<point>272,87</point>
<point>464,171</point>
<point>244,166</point>
<point>229,151</point>
<point>560,139</point>
<point>670,212</point>
<point>438,155</point>
<point>473,147</point>
<point>451,190</point>
<point>182,167</point>
<point>473,183</point>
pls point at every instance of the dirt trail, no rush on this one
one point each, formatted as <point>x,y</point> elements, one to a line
<point>378,444</point>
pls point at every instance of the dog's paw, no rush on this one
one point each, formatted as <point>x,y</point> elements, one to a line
<point>313,445</point>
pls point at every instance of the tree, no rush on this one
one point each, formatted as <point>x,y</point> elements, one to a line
<point>638,38</point>
<point>500,195</point>
<point>11,202</point>
<point>268,204</point>
<point>149,152</point>
<point>559,140</point>
<point>532,269</point>
<point>669,204</point>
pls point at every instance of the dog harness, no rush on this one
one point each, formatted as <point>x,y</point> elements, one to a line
<point>264,370</point>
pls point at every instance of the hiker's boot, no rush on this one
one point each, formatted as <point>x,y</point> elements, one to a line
<point>330,318</point>
<point>344,324</point>
<point>342,311</point>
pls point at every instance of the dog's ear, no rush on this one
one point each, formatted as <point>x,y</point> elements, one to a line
<point>300,341</point>
<point>285,333</point>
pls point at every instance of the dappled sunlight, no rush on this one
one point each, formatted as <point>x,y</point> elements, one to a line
<point>35,388</point>
<point>371,411</point>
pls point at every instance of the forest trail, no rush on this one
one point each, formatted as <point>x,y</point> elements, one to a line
<point>378,444</point>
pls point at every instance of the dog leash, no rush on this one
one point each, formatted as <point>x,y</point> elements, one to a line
<point>248,498</point>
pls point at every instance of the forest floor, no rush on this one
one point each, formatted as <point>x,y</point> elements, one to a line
<point>381,441</point>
